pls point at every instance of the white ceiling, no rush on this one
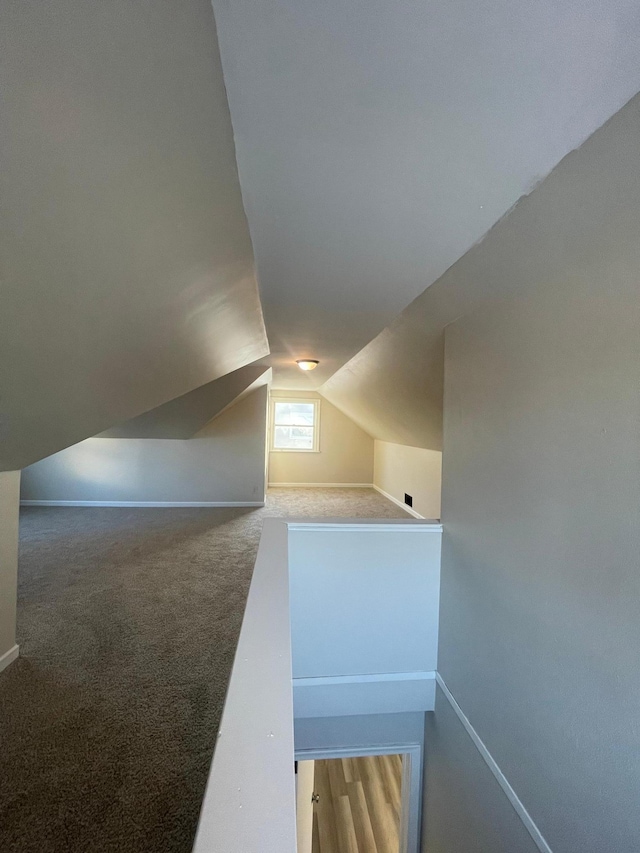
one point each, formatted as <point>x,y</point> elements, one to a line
<point>377,141</point>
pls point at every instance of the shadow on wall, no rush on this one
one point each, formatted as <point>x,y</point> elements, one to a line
<point>223,463</point>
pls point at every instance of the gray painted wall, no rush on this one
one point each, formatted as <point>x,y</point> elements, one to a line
<point>464,808</point>
<point>223,462</point>
<point>127,267</point>
<point>9,507</point>
<point>540,603</point>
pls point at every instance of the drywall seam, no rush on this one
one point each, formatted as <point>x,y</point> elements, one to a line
<point>9,657</point>
<point>491,763</point>
<point>143,503</point>
<point>391,498</point>
<point>321,486</point>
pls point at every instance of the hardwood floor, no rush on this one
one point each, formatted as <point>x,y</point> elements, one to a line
<point>359,807</point>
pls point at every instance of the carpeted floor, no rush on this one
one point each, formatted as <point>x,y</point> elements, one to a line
<point>128,620</point>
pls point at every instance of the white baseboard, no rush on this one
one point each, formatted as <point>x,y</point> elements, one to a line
<point>403,506</point>
<point>321,485</point>
<point>144,503</point>
<point>9,657</point>
<point>491,763</point>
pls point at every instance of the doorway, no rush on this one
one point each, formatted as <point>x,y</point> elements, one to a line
<point>356,803</point>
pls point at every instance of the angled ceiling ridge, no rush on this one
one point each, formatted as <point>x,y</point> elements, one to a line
<point>186,415</point>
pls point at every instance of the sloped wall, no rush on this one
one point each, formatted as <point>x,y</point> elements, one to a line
<point>393,388</point>
<point>186,415</point>
<point>223,463</point>
<point>127,267</point>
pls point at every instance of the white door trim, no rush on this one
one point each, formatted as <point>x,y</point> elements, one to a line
<point>411,808</point>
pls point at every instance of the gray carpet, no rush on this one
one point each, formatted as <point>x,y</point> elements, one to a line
<point>128,620</point>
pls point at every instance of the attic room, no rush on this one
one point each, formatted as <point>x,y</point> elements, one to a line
<point>319,420</point>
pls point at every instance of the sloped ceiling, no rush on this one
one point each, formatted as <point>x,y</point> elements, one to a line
<point>183,417</point>
<point>378,141</point>
<point>584,215</point>
<point>126,272</point>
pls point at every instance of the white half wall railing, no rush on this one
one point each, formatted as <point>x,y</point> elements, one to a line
<point>341,619</point>
<point>249,803</point>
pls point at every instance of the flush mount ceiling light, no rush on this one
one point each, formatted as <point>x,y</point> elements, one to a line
<point>307,363</point>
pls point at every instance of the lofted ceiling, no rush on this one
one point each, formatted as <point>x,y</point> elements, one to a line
<point>378,141</point>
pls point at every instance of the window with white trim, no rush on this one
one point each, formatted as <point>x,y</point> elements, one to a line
<point>295,425</point>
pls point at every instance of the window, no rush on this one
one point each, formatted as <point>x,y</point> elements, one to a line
<point>295,425</point>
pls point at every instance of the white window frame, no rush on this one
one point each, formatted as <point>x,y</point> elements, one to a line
<point>316,425</point>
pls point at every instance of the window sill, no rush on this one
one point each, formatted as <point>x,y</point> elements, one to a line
<point>291,450</point>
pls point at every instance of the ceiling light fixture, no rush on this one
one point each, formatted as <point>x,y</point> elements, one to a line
<point>307,363</point>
